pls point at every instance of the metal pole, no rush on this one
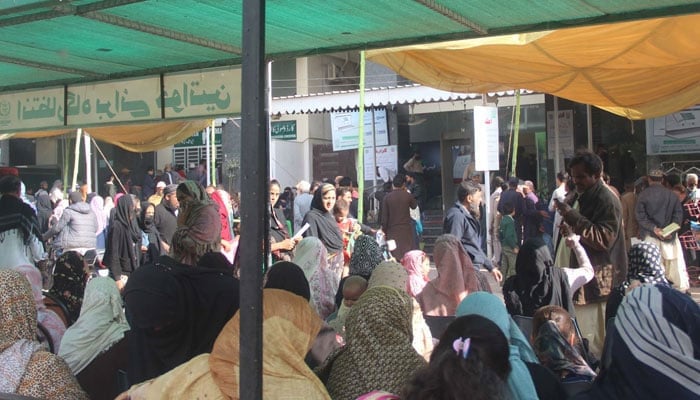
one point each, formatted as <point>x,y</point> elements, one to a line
<point>207,136</point>
<point>361,143</point>
<point>589,127</point>
<point>212,166</point>
<point>76,161</point>
<point>255,199</point>
<point>88,161</point>
<point>557,150</point>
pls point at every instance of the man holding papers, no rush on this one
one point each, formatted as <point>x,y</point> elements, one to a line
<point>658,209</point>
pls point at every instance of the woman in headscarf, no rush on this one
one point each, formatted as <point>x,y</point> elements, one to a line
<point>289,328</point>
<point>644,267</point>
<point>281,243</point>
<point>56,192</point>
<point>44,210</point>
<point>226,233</point>
<point>536,282</point>
<point>312,257</point>
<point>95,347</point>
<point>151,246</point>
<point>97,206</point>
<point>69,279</point>
<point>288,276</point>
<point>58,212</point>
<point>123,250</point>
<point>557,346</point>
<point>365,258</point>
<point>470,362</point>
<point>48,319</point>
<point>198,225</point>
<point>26,368</point>
<point>527,379</point>
<point>322,225</point>
<point>652,349</point>
<point>176,309</point>
<point>393,274</point>
<point>378,354</point>
<point>20,236</point>
<point>456,278</point>
<point>417,265</point>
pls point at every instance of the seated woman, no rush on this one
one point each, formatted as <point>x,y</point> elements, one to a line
<point>176,308</point>
<point>456,278</point>
<point>392,274</point>
<point>652,348</point>
<point>470,362</point>
<point>95,347</point>
<point>537,282</point>
<point>378,354</point>
<point>417,264</point>
<point>69,279</point>
<point>557,346</point>
<point>48,319</point>
<point>528,379</point>
<point>644,267</point>
<point>289,326</point>
<point>26,367</point>
<point>312,257</point>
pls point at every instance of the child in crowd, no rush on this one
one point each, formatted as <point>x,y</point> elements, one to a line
<point>349,227</point>
<point>509,241</point>
<point>353,287</point>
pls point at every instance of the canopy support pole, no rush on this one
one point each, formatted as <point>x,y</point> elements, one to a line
<point>589,127</point>
<point>76,161</point>
<point>212,166</point>
<point>557,150</point>
<point>88,161</point>
<point>255,216</point>
<point>361,143</point>
<point>109,165</point>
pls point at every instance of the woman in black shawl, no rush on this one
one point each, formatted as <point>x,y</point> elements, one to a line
<point>44,210</point>
<point>122,247</point>
<point>150,249</point>
<point>69,280</point>
<point>322,225</point>
<point>536,282</point>
<point>175,307</point>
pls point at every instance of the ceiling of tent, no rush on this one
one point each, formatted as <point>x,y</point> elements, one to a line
<point>636,69</point>
<point>46,43</point>
<point>53,44</point>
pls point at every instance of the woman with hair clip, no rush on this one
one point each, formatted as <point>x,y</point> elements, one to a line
<point>470,362</point>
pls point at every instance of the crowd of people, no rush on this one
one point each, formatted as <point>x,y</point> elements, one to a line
<point>351,311</point>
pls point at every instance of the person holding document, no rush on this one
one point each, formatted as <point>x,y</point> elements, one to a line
<point>658,208</point>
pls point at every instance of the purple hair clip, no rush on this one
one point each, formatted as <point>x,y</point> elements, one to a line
<point>462,346</point>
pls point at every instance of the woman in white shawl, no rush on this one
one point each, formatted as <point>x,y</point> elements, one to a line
<point>93,347</point>
<point>312,257</point>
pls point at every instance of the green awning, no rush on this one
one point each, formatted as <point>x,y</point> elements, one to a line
<point>52,43</point>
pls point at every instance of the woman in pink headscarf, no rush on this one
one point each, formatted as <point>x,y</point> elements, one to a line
<point>417,264</point>
<point>48,319</point>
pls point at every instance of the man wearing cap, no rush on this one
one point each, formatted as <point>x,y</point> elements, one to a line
<point>657,207</point>
<point>165,218</point>
<point>76,228</point>
<point>157,197</point>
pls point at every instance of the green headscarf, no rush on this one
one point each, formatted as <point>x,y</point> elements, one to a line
<point>489,306</point>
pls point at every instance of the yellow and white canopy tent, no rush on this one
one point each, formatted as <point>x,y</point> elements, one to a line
<point>637,69</point>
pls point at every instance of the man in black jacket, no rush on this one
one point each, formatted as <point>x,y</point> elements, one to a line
<point>165,218</point>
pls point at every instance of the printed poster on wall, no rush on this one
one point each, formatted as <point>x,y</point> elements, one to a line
<point>566,137</point>
<point>345,129</point>
<point>677,133</point>
<point>387,163</point>
<point>486,138</point>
